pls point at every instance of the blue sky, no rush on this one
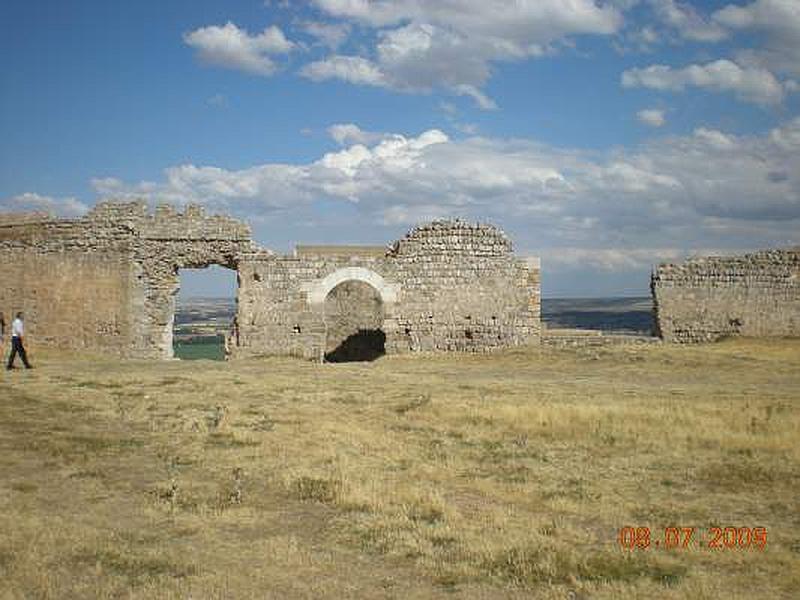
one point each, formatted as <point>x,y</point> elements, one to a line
<point>603,136</point>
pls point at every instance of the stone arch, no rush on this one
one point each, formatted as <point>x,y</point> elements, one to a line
<point>354,317</point>
<point>318,290</point>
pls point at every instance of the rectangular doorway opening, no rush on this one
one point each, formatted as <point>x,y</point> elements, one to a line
<point>204,313</point>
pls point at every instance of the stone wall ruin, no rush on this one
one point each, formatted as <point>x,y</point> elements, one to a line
<point>108,282</point>
<point>446,286</point>
<point>706,299</point>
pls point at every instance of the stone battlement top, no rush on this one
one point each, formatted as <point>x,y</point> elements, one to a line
<point>448,236</point>
<point>775,255</point>
<point>27,218</point>
<point>167,222</point>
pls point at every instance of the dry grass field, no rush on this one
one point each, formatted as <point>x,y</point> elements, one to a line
<point>501,476</point>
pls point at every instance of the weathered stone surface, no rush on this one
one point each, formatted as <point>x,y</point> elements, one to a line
<point>108,281</point>
<point>446,286</point>
<point>706,299</point>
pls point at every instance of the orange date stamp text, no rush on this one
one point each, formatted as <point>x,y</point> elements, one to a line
<point>722,538</point>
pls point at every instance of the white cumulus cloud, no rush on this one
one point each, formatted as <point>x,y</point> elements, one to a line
<point>611,259</point>
<point>423,46</point>
<point>713,138</point>
<point>32,202</point>
<point>652,117</point>
<point>687,22</point>
<point>353,69</point>
<point>234,48</point>
<point>706,188</point>
<point>331,35</point>
<point>350,133</point>
<point>787,137</point>
<point>518,21</point>
<point>778,21</point>
<point>750,84</point>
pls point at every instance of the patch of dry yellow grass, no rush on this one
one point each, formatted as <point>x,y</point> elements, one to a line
<point>506,475</point>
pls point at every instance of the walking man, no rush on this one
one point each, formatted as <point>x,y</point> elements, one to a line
<point>17,347</point>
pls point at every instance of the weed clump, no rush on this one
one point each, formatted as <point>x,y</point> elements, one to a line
<point>317,489</point>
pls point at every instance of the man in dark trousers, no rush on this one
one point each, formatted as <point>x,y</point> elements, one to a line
<point>17,347</point>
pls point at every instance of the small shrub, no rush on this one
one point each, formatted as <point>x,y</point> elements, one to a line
<point>316,489</point>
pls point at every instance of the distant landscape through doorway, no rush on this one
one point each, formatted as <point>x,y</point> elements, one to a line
<point>204,311</point>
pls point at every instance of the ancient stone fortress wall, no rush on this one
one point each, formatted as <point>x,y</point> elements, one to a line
<point>710,298</point>
<point>447,285</point>
<point>108,281</point>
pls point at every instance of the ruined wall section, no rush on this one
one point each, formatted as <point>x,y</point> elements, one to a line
<point>166,242</point>
<point>73,295</point>
<point>107,281</point>
<point>464,290</point>
<point>706,299</point>
<point>447,286</point>
<point>276,315</point>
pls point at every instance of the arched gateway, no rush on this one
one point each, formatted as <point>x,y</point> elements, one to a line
<point>319,289</point>
<point>354,315</point>
<point>355,303</point>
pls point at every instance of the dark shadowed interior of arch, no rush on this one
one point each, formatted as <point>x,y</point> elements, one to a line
<point>204,311</point>
<point>354,319</point>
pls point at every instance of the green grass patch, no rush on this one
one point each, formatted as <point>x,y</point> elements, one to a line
<point>200,348</point>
